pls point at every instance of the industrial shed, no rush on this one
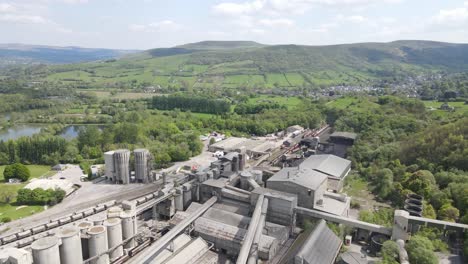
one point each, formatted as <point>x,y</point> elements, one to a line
<point>321,247</point>
<point>334,167</point>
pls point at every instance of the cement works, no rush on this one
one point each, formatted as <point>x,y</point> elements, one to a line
<point>224,213</point>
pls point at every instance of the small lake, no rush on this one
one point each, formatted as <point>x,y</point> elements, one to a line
<point>24,130</point>
<point>27,130</point>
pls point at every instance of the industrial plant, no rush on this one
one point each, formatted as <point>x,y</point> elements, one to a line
<point>239,209</point>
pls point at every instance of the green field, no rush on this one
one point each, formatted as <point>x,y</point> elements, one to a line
<point>289,102</point>
<point>433,107</point>
<point>354,104</point>
<point>11,210</point>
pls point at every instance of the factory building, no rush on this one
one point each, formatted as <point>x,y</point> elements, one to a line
<point>310,181</point>
<point>143,165</point>
<point>334,167</point>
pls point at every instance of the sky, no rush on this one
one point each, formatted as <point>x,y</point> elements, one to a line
<point>145,24</point>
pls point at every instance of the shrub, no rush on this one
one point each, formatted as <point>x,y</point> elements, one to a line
<point>16,171</point>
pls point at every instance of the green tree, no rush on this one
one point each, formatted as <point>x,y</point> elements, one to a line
<point>448,213</point>
<point>384,185</point>
<point>390,251</point>
<point>17,171</point>
<point>421,251</point>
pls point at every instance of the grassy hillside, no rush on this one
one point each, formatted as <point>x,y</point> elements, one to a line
<point>20,54</point>
<point>249,65</point>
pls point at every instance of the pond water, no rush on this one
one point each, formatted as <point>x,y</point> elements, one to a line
<point>27,130</point>
<point>24,130</point>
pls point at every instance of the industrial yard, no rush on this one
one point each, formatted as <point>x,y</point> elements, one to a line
<point>248,205</point>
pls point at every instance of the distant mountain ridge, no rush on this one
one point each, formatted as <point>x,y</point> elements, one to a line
<point>13,53</point>
<point>250,65</point>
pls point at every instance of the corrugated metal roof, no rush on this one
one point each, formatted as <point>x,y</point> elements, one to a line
<point>329,164</point>
<point>347,135</point>
<point>321,247</point>
<point>190,253</point>
<point>306,177</point>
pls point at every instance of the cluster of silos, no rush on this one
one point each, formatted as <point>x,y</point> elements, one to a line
<point>101,240</point>
<point>118,166</point>
<point>414,204</point>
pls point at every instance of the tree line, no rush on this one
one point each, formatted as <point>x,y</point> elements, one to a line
<point>191,103</point>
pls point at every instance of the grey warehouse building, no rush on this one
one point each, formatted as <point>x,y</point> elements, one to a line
<point>334,167</point>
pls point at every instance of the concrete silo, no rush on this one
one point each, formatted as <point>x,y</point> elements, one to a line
<point>143,166</point>
<point>109,164</point>
<point>83,227</point>
<point>70,249</point>
<point>46,250</point>
<point>122,166</point>
<point>114,237</point>
<point>128,229</point>
<point>98,244</point>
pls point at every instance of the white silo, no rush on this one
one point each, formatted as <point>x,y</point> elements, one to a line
<point>143,165</point>
<point>98,219</point>
<point>122,166</point>
<point>83,227</point>
<point>70,249</point>
<point>98,244</point>
<point>46,250</point>
<point>109,165</point>
<point>128,229</point>
<point>114,237</point>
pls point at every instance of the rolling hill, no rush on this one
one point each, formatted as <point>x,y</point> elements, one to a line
<point>27,54</point>
<point>249,65</point>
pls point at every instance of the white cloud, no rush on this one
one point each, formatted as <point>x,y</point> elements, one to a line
<point>26,19</point>
<point>280,22</point>
<point>352,19</point>
<point>160,26</point>
<point>456,15</point>
<point>289,6</point>
<point>5,7</point>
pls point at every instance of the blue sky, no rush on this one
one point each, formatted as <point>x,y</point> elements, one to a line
<point>144,24</point>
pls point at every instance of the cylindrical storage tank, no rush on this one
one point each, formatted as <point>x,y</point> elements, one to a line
<point>128,229</point>
<point>83,227</point>
<point>244,180</point>
<point>70,249</point>
<point>98,219</point>
<point>114,212</point>
<point>114,237</point>
<point>377,242</point>
<point>46,250</point>
<point>122,166</point>
<point>258,176</point>
<point>98,244</point>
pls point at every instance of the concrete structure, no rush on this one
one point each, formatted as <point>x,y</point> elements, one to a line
<point>83,227</point>
<point>109,165</point>
<point>321,246</point>
<point>15,256</point>
<point>46,250</point>
<point>253,148</point>
<point>70,249</point>
<point>98,244</point>
<point>122,166</point>
<point>114,237</point>
<point>344,138</point>
<point>143,165</point>
<point>129,228</point>
<point>294,128</point>
<point>334,167</point>
<point>307,184</point>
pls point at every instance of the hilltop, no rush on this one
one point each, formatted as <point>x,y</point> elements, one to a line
<point>27,54</point>
<point>250,65</point>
